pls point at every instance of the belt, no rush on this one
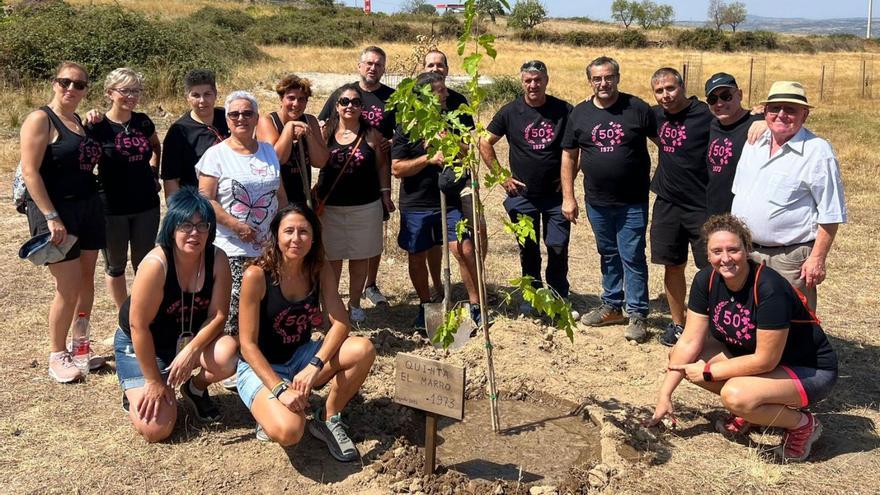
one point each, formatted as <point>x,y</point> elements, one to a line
<point>763,246</point>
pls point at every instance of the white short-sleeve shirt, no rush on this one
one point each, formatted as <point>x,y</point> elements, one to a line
<point>247,188</point>
<point>784,198</point>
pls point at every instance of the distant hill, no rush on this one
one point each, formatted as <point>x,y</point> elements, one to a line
<point>852,25</point>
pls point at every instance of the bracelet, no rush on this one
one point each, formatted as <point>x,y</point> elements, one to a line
<point>52,215</point>
<point>275,389</point>
<point>385,189</point>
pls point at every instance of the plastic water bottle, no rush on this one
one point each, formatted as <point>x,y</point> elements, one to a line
<point>80,348</point>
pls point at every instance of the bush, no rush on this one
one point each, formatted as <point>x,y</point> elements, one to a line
<point>617,39</point>
<point>539,36</point>
<point>233,20</point>
<point>502,90</point>
<point>449,26</point>
<point>754,40</point>
<point>631,38</point>
<point>103,38</point>
<point>700,39</point>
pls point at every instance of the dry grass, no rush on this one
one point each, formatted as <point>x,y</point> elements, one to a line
<point>73,438</point>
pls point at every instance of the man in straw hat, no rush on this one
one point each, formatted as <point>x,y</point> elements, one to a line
<point>789,192</point>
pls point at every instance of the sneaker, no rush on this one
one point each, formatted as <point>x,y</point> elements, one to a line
<point>526,309</point>
<point>636,330</point>
<point>670,336</point>
<point>375,296</point>
<point>419,322</point>
<point>605,314</point>
<point>230,383</point>
<point>476,315</point>
<point>261,434</point>
<point>332,432</point>
<point>797,442</point>
<point>202,404</point>
<point>125,404</point>
<point>62,369</point>
<point>357,315</point>
<point>96,362</point>
<point>732,425</point>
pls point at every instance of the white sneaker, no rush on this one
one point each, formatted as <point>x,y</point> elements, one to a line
<point>357,315</point>
<point>62,369</point>
<point>374,295</point>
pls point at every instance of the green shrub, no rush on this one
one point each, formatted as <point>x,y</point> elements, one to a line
<point>754,40</point>
<point>700,39</point>
<point>502,90</point>
<point>630,38</point>
<point>448,26</point>
<point>799,44</point>
<point>392,31</point>
<point>234,20</point>
<point>539,36</point>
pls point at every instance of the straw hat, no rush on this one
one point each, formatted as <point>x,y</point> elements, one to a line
<point>787,92</point>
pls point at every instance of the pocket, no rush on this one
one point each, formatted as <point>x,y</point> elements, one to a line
<point>781,190</point>
<point>796,257</point>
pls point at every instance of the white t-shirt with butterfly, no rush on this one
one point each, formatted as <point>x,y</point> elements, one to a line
<point>247,188</point>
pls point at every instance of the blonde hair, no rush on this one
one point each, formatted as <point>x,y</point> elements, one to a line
<point>71,65</point>
<point>123,76</point>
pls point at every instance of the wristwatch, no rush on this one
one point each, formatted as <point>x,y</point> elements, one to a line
<point>317,363</point>
<point>279,389</point>
<point>52,215</point>
<point>707,373</point>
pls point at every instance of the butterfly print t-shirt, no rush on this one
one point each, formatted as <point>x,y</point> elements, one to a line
<point>681,175</point>
<point>725,146</point>
<point>127,182</point>
<point>286,325</point>
<point>613,145</point>
<point>535,139</point>
<point>247,188</point>
<point>735,316</point>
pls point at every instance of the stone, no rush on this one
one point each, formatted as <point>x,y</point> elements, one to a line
<point>597,478</point>
<point>542,490</point>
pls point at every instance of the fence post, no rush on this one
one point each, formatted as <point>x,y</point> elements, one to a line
<point>822,84</point>
<point>751,69</point>
<point>862,80</point>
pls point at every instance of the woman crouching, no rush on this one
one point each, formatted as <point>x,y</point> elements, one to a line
<point>173,320</point>
<point>282,297</point>
<point>751,338</point>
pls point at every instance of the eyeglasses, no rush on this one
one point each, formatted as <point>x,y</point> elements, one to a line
<point>346,101</point>
<point>77,84</point>
<point>245,114</point>
<point>187,227</point>
<point>713,98</point>
<point>128,92</point>
<point>777,109</point>
<point>605,79</point>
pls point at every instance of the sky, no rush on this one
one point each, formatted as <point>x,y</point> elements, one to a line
<point>685,10</point>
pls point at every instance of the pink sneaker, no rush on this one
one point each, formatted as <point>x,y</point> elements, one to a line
<point>61,367</point>
<point>732,425</point>
<point>797,442</point>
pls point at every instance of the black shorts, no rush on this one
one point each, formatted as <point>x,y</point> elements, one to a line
<point>83,218</point>
<point>672,229</point>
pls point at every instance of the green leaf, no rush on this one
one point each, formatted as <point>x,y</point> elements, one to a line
<point>461,228</point>
<point>471,63</point>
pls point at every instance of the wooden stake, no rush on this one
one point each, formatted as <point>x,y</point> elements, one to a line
<point>430,443</point>
<point>751,72</point>
<point>822,84</point>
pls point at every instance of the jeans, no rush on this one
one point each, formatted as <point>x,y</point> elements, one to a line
<point>620,239</point>
<point>547,214</point>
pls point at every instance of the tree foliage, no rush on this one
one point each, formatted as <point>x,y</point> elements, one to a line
<point>715,13</point>
<point>735,14</point>
<point>489,9</point>
<point>419,7</point>
<point>624,11</point>
<point>526,14</point>
<point>652,15</point>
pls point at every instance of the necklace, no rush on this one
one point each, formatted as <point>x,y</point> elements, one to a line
<point>187,336</point>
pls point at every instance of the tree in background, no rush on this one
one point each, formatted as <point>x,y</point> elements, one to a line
<point>716,13</point>
<point>651,15</point>
<point>624,11</point>
<point>489,9</point>
<point>734,14</point>
<point>419,7</point>
<point>526,14</point>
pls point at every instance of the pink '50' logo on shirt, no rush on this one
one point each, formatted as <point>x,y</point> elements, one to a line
<point>539,134</point>
<point>719,154</point>
<point>672,136</point>
<point>606,136</point>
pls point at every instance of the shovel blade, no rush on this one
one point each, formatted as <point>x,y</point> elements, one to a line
<point>434,318</point>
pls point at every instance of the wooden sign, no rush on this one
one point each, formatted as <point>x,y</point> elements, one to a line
<point>429,385</point>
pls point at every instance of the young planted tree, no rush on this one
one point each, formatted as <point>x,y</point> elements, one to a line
<point>527,14</point>
<point>624,11</point>
<point>422,119</point>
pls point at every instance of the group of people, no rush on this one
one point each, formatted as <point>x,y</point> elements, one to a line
<point>244,268</point>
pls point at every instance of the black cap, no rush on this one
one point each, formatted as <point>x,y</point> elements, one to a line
<point>534,66</point>
<point>720,80</point>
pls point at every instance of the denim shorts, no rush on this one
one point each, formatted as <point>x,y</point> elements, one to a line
<point>812,384</point>
<point>249,383</point>
<point>420,230</point>
<point>128,370</point>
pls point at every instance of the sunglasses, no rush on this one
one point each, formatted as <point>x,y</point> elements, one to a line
<point>772,109</point>
<point>246,114</point>
<point>187,227</point>
<point>713,98</point>
<point>77,84</point>
<point>346,101</point>
<point>128,92</point>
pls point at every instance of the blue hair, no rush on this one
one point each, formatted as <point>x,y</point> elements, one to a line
<point>182,205</point>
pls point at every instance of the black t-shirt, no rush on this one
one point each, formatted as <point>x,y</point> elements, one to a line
<point>734,317</point>
<point>534,136</point>
<point>173,316</point>
<point>185,143</point>
<point>126,179</point>
<point>359,184</point>
<point>725,146</point>
<point>286,325</point>
<point>421,191</point>
<point>455,100</point>
<point>681,175</point>
<point>373,109</point>
<point>614,149</point>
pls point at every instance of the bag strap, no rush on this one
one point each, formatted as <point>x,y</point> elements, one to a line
<point>277,121</point>
<point>357,144</point>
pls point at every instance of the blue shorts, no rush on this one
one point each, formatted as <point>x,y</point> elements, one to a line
<point>249,383</point>
<point>128,370</point>
<point>813,384</point>
<point>420,230</point>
